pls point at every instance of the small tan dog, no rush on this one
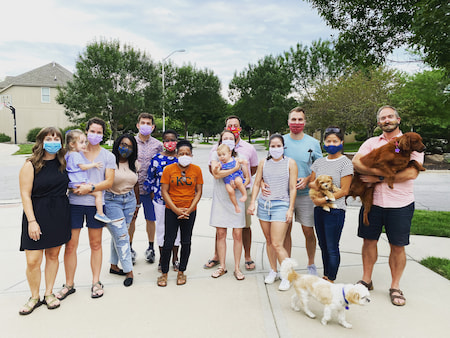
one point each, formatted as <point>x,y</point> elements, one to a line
<point>324,187</point>
<point>335,297</point>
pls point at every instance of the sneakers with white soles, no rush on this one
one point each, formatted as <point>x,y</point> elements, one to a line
<point>271,277</point>
<point>284,285</point>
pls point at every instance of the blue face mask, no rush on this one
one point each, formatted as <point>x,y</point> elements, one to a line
<point>125,152</point>
<point>333,149</point>
<point>52,147</point>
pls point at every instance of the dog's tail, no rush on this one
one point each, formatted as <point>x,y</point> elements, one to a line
<point>287,269</point>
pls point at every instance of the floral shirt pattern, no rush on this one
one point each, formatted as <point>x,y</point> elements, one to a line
<point>153,181</point>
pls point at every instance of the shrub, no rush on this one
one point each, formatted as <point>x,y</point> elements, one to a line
<point>4,138</point>
<point>31,136</point>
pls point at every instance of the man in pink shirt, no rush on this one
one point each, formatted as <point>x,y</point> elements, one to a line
<point>392,208</point>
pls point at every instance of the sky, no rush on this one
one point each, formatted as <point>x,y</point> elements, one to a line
<point>223,36</point>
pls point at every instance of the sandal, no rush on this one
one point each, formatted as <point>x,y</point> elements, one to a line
<point>63,294</point>
<point>211,263</point>
<point>219,272</point>
<point>369,286</point>
<point>181,278</point>
<point>51,301</point>
<point>162,280</point>
<point>97,290</point>
<point>239,275</point>
<point>395,297</point>
<point>250,265</point>
<point>30,305</point>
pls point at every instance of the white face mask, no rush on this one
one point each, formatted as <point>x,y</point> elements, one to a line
<point>276,153</point>
<point>229,143</point>
<point>185,160</point>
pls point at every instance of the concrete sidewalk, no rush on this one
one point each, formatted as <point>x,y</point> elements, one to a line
<point>223,307</point>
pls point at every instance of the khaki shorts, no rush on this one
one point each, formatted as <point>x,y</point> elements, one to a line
<point>304,211</point>
<point>248,218</point>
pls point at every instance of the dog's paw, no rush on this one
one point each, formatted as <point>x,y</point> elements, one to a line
<point>326,208</point>
<point>310,314</point>
<point>332,205</point>
<point>324,321</point>
<point>332,198</point>
<point>346,324</point>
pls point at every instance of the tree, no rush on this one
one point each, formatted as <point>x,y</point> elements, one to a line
<point>194,99</point>
<point>261,95</point>
<point>351,101</point>
<point>370,30</point>
<point>424,101</point>
<point>113,82</point>
<point>318,63</point>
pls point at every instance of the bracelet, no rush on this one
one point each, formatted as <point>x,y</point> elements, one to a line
<point>33,220</point>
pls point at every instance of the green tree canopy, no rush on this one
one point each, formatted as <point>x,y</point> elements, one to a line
<point>261,95</point>
<point>194,98</point>
<point>113,82</point>
<point>370,30</point>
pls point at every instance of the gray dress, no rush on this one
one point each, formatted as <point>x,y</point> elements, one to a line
<point>223,214</point>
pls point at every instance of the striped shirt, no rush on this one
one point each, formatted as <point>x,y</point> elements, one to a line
<point>336,168</point>
<point>276,175</point>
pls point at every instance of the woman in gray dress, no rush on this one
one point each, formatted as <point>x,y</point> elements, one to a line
<point>223,214</point>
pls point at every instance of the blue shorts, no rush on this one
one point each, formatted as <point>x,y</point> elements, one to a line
<point>396,221</point>
<point>272,211</point>
<point>149,209</point>
<point>80,213</point>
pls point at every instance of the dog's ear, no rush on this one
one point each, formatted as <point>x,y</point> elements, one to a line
<point>353,296</point>
<point>404,142</point>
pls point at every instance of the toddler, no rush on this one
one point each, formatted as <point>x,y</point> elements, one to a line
<point>76,168</point>
<point>229,162</point>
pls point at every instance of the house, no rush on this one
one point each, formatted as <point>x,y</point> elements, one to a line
<point>33,94</point>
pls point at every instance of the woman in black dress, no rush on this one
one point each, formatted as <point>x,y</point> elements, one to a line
<point>46,219</point>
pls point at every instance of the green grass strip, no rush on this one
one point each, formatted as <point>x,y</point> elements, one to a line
<point>438,265</point>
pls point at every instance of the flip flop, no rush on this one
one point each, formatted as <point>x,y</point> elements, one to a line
<point>248,265</point>
<point>211,263</point>
<point>239,275</point>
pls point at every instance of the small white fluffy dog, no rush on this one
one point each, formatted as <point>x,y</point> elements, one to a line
<point>335,297</point>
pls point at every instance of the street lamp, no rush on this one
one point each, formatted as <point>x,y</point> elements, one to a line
<point>163,87</point>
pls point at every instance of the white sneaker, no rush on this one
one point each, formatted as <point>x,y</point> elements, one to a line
<point>312,270</point>
<point>271,277</point>
<point>284,285</point>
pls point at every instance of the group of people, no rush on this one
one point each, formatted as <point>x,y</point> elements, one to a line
<point>63,188</point>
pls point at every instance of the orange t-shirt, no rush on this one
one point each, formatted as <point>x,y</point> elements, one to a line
<point>182,186</point>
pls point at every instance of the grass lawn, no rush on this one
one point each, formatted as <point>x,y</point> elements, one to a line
<point>431,223</point>
<point>438,265</point>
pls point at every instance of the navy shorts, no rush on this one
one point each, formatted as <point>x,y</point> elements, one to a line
<point>149,209</point>
<point>396,221</point>
<point>80,213</point>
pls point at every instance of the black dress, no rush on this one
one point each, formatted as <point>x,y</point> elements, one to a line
<point>51,208</point>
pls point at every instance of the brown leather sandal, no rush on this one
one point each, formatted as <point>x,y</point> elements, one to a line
<point>399,296</point>
<point>181,278</point>
<point>162,280</point>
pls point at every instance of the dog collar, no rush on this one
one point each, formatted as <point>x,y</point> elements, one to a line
<point>397,149</point>
<point>346,301</point>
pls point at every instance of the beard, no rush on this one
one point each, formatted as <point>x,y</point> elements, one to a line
<point>388,127</point>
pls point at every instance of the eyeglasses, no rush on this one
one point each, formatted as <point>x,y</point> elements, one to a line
<point>126,146</point>
<point>332,130</point>
<point>183,178</point>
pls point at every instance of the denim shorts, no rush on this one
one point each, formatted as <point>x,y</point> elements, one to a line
<point>272,211</point>
<point>396,221</point>
<point>80,213</point>
<point>149,209</point>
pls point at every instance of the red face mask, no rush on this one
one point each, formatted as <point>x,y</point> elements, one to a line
<point>296,128</point>
<point>235,130</point>
<point>170,146</point>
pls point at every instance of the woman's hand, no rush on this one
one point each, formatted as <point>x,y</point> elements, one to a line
<point>289,215</point>
<point>82,189</point>
<point>183,213</point>
<point>265,189</point>
<point>34,230</point>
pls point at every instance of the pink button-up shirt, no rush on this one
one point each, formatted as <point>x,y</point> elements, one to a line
<point>403,192</point>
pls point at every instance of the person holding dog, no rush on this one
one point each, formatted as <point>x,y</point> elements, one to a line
<point>392,208</point>
<point>329,224</point>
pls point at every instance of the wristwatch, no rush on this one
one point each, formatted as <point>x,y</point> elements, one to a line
<point>381,178</point>
<point>92,188</point>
